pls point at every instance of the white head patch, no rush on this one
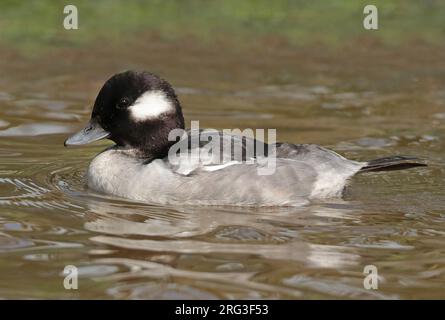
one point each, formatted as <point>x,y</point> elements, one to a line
<point>150,105</point>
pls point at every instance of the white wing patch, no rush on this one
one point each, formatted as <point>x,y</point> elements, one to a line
<point>150,105</point>
<point>221,166</point>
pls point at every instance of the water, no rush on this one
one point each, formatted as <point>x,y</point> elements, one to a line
<point>363,104</point>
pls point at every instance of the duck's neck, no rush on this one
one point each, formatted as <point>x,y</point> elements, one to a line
<point>152,141</point>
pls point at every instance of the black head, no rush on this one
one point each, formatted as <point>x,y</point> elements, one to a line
<point>135,110</point>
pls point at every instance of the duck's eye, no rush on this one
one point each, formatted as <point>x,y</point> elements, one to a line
<point>123,103</point>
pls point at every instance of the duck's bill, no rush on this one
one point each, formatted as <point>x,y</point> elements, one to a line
<point>93,131</point>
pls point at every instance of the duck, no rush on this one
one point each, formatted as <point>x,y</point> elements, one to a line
<point>155,159</point>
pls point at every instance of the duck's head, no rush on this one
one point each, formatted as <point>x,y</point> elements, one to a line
<point>135,110</point>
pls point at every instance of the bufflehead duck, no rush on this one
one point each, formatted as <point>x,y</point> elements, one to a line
<point>138,111</point>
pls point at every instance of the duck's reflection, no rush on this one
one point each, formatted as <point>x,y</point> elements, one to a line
<point>164,252</point>
<point>269,233</point>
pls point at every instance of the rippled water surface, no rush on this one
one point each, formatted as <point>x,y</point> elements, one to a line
<point>360,104</point>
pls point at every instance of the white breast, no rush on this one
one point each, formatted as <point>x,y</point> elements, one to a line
<point>119,173</point>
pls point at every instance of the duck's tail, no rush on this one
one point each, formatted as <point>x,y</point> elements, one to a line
<point>392,163</point>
